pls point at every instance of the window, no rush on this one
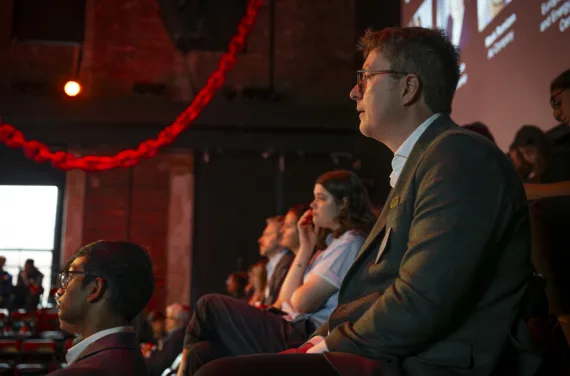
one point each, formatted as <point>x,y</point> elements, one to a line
<point>27,228</point>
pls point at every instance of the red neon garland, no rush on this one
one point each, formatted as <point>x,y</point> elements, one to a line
<point>127,158</point>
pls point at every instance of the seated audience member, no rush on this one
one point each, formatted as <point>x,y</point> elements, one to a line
<point>559,136</point>
<point>482,129</point>
<point>257,281</point>
<point>6,286</point>
<point>288,241</point>
<point>279,258</point>
<point>340,215</point>
<point>158,325</point>
<point>530,153</point>
<point>236,284</point>
<point>154,334</point>
<point>440,285</point>
<point>170,346</point>
<point>29,287</point>
<point>551,219</point>
<point>104,287</point>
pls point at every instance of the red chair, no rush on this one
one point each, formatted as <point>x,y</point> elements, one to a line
<point>48,320</point>
<point>38,350</point>
<point>27,316</point>
<point>10,350</point>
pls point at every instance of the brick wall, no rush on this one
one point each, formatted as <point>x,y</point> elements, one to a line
<point>126,42</point>
<point>136,204</point>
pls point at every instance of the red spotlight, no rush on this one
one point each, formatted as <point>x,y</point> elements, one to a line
<point>72,88</point>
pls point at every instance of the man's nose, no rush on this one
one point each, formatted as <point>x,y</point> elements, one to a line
<point>355,93</point>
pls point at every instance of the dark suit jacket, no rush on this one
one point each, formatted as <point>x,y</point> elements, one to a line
<point>445,294</point>
<point>117,354</point>
<point>278,276</point>
<point>162,359</point>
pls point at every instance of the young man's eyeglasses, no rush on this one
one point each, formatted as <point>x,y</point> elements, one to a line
<point>556,100</point>
<point>365,74</point>
<point>65,277</point>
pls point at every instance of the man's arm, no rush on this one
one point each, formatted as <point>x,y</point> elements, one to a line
<point>460,199</point>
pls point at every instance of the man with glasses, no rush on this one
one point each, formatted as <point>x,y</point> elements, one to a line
<point>438,287</point>
<point>102,289</point>
<point>560,97</point>
<point>552,213</point>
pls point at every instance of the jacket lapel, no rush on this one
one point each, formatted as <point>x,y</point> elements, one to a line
<point>121,340</point>
<point>441,124</point>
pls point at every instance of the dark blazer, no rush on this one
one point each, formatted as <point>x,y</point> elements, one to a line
<point>117,354</point>
<point>162,359</point>
<point>438,286</point>
<point>278,276</point>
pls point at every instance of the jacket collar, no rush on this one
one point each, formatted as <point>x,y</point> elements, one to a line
<point>440,125</point>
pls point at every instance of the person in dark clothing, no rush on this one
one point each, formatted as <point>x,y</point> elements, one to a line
<point>29,287</point>
<point>6,287</point>
<point>169,347</point>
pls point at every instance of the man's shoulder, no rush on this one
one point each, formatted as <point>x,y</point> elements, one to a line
<point>109,362</point>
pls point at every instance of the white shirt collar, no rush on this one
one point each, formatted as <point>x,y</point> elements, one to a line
<point>272,263</point>
<point>76,350</point>
<point>401,155</point>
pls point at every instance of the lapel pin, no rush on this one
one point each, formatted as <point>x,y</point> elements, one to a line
<point>394,202</point>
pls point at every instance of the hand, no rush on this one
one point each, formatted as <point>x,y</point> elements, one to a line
<point>299,350</point>
<point>307,231</point>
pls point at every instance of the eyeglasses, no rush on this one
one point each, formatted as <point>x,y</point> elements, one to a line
<point>65,277</point>
<point>366,74</point>
<point>556,100</point>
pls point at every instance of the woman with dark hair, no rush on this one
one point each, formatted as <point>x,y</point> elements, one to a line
<point>336,225</point>
<point>330,235</point>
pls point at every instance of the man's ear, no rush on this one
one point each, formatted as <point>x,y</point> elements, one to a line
<point>410,89</point>
<point>96,290</point>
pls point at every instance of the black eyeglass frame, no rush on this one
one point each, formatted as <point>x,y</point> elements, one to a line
<point>360,75</point>
<point>65,277</point>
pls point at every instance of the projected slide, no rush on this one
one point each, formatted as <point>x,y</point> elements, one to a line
<point>423,16</point>
<point>510,52</point>
<point>450,18</point>
<point>487,10</point>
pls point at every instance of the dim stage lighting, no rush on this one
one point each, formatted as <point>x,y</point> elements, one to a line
<point>72,88</point>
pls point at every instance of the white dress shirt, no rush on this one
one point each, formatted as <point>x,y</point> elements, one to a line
<point>401,155</point>
<point>270,267</point>
<point>76,350</point>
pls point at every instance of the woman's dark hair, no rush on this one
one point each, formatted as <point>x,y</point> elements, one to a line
<point>356,210</point>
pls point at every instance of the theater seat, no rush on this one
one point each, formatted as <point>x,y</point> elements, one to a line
<point>31,369</point>
<point>5,369</point>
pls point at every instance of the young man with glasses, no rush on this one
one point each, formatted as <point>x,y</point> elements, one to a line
<point>103,288</point>
<point>438,287</point>
<point>560,97</point>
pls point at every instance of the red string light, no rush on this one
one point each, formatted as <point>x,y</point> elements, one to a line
<point>39,152</point>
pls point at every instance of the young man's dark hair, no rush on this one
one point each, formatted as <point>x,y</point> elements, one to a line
<point>427,53</point>
<point>126,269</point>
<point>103,288</point>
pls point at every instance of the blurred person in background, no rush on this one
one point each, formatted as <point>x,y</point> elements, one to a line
<point>257,281</point>
<point>29,287</point>
<point>6,287</point>
<point>170,345</point>
<point>236,284</point>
